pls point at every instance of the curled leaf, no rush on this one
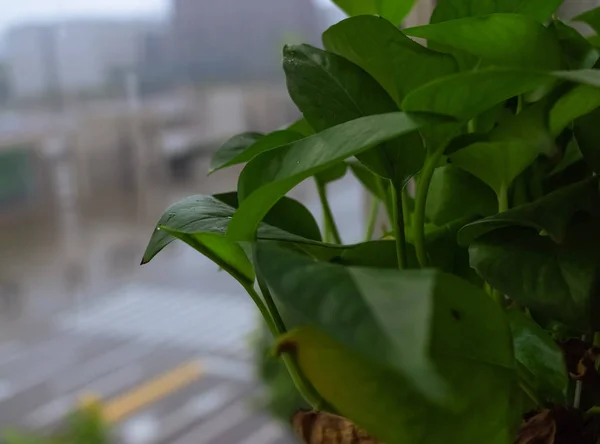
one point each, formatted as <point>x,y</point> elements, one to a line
<point>326,428</point>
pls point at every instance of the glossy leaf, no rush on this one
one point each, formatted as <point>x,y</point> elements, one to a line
<point>384,52</point>
<point>511,40</point>
<point>540,361</point>
<point>212,214</point>
<point>588,138</point>
<point>579,101</point>
<point>243,148</point>
<point>393,10</point>
<point>555,280</point>
<point>454,194</point>
<point>539,10</point>
<point>392,317</point>
<point>551,214</point>
<point>268,177</point>
<point>301,126</point>
<point>387,406</point>
<point>332,174</point>
<point>591,17</point>
<point>578,52</point>
<point>330,90</point>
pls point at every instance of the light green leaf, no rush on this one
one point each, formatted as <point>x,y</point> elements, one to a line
<point>269,176</point>
<point>539,10</point>
<point>510,40</point>
<point>430,329</point>
<point>384,52</point>
<point>588,138</point>
<point>454,194</point>
<point>393,10</point>
<point>579,101</point>
<point>555,280</point>
<point>551,214</point>
<point>242,148</point>
<point>540,361</point>
<point>591,17</point>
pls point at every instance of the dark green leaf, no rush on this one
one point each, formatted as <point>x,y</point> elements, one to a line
<point>393,10</point>
<point>371,181</point>
<point>385,52</point>
<point>269,176</point>
<point>454,194</point>
<point>591,17</point>
<point>301,126</point>
<point>555,280</point>
<point>588,138</point>
<point>510,40</point>
<point>551,214</point>
<point>464,140</point>
<point>397,318</point>
<point>243,148</point>
<point>332,174</point>
<point>579,101</point>
<point>571,156</point>
<point>540,361</point>
<point>540,10</point>
<point>578,52</point>
<point>330,90</point>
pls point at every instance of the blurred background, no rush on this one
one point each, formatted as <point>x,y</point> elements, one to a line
<point>109,112</point>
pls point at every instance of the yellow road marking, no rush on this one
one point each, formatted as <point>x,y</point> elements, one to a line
<point>147,393</point>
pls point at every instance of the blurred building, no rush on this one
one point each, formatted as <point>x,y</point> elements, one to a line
<point>75,56</point>
<point>232,40</point>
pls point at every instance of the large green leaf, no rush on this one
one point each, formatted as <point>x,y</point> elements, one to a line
<point>385,52</point>
<point>269,176</point>
<point>513,146</point>
<point>540,361</point>
<point>555,280</point>
<point>579,101</point>
<point>454,194</point>
<point>591,17</point>
<point>551,214</point>
<point>578,52</point>
<point>588,138</point>
<point>467,94</point>
<point>393,10</point>
<point>388,407</point>
<point>400,319</point>
<point>540,10</point>
<point>242,148</point>
<point>288,220</point>
<point>511,40</point>
<point>330,90</point>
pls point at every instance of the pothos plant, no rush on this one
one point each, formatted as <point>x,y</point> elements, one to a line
<point>476,318</point>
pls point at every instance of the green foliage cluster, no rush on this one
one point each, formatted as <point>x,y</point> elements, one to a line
<point>449,331</point>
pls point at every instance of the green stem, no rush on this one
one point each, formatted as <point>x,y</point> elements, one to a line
<point>529,392</point>
<point>372,219</point>
<point>398,220</point>
<point>271,324</point>
<point>420,204</point>
<point>302,385</point>
<point>386,202</point>
<point>330,225</point>
<point>503,199</point>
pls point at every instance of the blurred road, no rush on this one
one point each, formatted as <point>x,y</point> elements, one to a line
<point>81,317</point>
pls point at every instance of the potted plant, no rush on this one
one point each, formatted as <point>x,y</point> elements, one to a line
<point>476,318</point>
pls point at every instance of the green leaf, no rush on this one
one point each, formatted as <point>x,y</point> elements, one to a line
<point>551,214</point>
<point>588,138</point>
<point>454,194</point>
<point>393,10</point>
<point>555,280</point>
<point>539,10</point>
<point>268,177</point>
<point>510,40</point>
<point>467,94</point>
<point>540,361</point>
<point>384,52</point>
<point>330,90</point>
<point>578,52</point>
<point>332,174</point>
<point>579,101</point>
<point>289,220</point>
<point>390,316</point>
<point>242,148</point>
<point>371,181</point>
<point>388,407</point>
<point>571,156</point>
<point>591,17</point>
<point>301,126</point>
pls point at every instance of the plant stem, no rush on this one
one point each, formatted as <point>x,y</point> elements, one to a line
<point>386,202</point>
<point>330,226</point>
<point>372,219</point>
<point>398,220</point>
<point>529,392</point>
<point>263,310</point>
<point>503,199</point>
<point>420,204</point>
